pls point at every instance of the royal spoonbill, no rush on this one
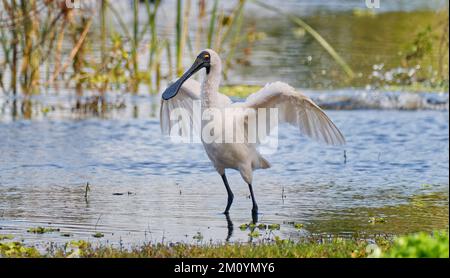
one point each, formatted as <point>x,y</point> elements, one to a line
<point>293,107</point>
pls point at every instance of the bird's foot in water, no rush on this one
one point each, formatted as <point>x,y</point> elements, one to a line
<point>255,215</point>
<point>255,208</point>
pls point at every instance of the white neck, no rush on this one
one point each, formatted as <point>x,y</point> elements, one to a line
<point>210,87</point>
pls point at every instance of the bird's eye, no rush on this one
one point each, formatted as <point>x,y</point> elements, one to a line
<point>206,56</point>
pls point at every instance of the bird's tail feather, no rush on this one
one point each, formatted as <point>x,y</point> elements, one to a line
<point>263,163</point>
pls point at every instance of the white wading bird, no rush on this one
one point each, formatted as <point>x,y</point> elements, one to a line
<point>294,108</point>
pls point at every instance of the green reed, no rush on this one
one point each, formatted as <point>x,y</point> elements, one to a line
<point>46,36</point>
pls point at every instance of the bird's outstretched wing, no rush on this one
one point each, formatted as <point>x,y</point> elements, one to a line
<point>298,110</point>
<point>189,92</point>
<point>184,100</point>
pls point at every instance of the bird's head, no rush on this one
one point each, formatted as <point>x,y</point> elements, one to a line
<point>207,59</point>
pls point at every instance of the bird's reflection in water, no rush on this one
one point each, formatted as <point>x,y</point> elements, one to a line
<point>254,217</point>
<point>231,227</point>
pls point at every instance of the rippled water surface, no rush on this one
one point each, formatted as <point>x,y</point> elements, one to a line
<point>143,187</point>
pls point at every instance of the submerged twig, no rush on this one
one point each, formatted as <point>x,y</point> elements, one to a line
<point>87,189</point>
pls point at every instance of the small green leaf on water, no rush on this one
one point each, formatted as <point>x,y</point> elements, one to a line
<point>255,233</point>
<point>98,235</point>
<point>374,220</point>
<point>198,236</point>
<point>298,226</point>
<point>3,237</point>
<point>262,226</point>
<point>45,110</point>
<point>42,230</point>
<point>243,227</point>
<point>274,226</point>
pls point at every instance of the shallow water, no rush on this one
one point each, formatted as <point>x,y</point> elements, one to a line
<point>143,187</point>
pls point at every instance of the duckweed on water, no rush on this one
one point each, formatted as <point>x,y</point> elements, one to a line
<point>98,235</point>
<point>5,237</point>
<point>42,230</point>
<point>198,236</point>
<point>274,226</point>
<point>254,234</point>
<point>261,226</point>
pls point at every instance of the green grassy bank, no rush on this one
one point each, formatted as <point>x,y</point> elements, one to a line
<point>434,245</point>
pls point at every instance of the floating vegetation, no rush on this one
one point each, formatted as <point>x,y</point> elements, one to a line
<point>254,234</point>
<point>297,226</point>
<point>98,235</point>
<point>42,230</point>
<point>243,227</point>
<point>5,237</point>
<point>198,236</point>
<point>261,226</point>
<point>375,220</point>
<point>274,226</point>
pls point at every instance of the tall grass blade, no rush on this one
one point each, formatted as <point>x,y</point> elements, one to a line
<point>313,33</point>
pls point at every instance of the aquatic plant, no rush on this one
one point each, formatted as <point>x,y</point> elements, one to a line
<point>98,235</point>
<point>42,230</point>
<point>4,237</point>
<point>51,35</point>
<point>423,245</point>
<point>17,250</point>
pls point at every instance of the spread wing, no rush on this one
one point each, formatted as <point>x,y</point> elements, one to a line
<point>298,110</point>
<point>184,102</point>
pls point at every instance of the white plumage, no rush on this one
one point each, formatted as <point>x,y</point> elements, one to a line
<point>293,107</point>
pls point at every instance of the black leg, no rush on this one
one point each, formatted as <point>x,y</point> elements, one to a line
<point>254,216</point>
<point>255,206</point>
<point>230,194</point>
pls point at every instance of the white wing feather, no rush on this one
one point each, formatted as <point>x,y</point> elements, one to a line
<point>298,110</point>
<point>189,92</point>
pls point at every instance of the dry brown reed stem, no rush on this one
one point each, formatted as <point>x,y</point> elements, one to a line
<point>74,51</point>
